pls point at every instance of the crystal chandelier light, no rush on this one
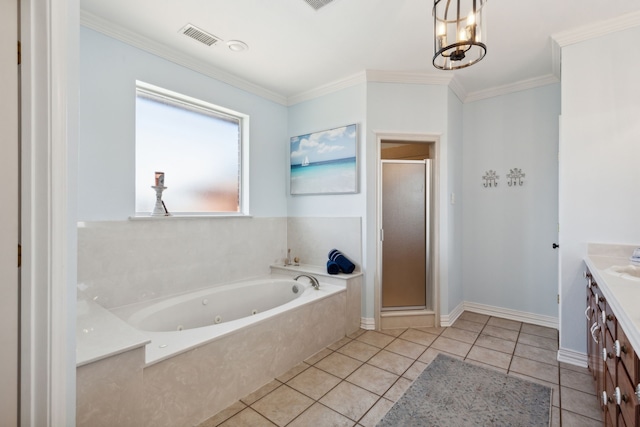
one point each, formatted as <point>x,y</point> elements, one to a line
<point>459,34</point>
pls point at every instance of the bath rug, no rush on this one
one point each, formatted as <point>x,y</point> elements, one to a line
<point>453,393</point>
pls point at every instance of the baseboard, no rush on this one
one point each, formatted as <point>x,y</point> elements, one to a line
<point>368,323</point>
<point>407,319</point>
<point>572,357</point>
<point>506,313</point>
<point>449,319</point>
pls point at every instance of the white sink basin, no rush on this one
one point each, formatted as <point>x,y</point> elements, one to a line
<point>630,272</point>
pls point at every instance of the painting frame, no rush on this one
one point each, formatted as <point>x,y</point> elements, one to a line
<point>324,162</point>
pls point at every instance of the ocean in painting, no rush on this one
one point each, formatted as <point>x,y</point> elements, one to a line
<point>333,176</point>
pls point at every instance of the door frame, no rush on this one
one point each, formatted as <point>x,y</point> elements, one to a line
<point>424,138</point>
<point>10,215</point>
<point>49,130</point>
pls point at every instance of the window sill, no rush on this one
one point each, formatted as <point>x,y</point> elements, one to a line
<point>187,216</point>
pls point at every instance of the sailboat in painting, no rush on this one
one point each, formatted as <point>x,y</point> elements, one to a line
<point>306,161</point>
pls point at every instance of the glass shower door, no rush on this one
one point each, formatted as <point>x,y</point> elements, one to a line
<point>405,223</point>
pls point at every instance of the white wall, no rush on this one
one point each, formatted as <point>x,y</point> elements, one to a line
<point>108,73</point>
<point>508,231</point>
<point>599,163</point>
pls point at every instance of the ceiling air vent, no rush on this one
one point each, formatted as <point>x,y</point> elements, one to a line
<point>199,35</point>
<point>317,4</point>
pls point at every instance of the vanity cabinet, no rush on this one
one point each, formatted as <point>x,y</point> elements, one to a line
<point>612,360</point>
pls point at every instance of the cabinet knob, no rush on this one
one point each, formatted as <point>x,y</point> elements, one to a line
<point>619,348</point>
<point>638,391</point>
<point>606,355</point>
<point>606,317</point>
<point>619,397</point>
<point>606,399</point>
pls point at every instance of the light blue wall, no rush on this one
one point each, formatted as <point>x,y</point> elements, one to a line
<point>454,211</point>
<point>108,73</point>
<point>418,109</point>
<point>490,242</point>
<point>336,109</point>
<point>508,231</point>
<point>397,108</point>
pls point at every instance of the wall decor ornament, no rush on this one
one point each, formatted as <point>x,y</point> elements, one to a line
<point>490,179</point>
<point>325,162</point>
<point>515,176</point>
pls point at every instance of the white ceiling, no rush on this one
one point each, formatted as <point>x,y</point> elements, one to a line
<point>294,49</point>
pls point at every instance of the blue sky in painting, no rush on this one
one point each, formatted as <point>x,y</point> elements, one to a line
<point>333,144</point>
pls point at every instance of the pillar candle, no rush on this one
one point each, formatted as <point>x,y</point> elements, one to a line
<point>159,179</point>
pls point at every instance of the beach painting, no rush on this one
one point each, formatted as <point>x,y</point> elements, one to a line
<point>325,162</point>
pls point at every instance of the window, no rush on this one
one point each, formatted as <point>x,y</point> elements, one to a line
<point>200,148</point>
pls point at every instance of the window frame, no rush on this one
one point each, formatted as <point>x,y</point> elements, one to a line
<point>243,167</point>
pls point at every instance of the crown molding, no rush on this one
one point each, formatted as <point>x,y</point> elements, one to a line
<point>418,78</point>
<point>457,88</point>
<point>117,32</point>
<point>380,76</point>
<point>408,77</point>
<point>511,88</point>
<point>556,59</point>
<point>587,32</point>
<point>110,29</point>
<point>328,88</point>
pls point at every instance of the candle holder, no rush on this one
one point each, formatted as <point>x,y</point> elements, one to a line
<point>160,209</point>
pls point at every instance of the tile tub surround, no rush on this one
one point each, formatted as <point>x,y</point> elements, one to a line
<point>109,391</point>
<point>352,282</point>
<point>311,238</point>
<point>123,262</point>
<point>357,379</point>
<point>194,385</point>
<point>191,386</point>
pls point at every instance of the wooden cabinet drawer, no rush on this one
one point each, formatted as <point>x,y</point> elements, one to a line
<point>609,355</point>
<point>628,399</point>
<point>621,422</point>
<point>609,319</point>
<point>628,356</point>
<point>611,407</point>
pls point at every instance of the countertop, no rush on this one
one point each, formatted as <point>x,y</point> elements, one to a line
<point>622,294</point>
<point>316,270</point>
<point>100,334</point>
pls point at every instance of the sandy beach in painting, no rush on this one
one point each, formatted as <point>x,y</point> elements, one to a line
<point>334,176</point>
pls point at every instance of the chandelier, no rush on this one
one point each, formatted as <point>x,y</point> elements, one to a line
<point>459,34</point>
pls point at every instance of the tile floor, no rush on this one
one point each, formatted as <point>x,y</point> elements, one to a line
<point>356,380</point>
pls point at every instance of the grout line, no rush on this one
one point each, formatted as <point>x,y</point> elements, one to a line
<point>355,337</point>
<point>514,350</point>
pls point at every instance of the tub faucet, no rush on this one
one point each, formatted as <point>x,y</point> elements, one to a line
<point>313,280</point>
